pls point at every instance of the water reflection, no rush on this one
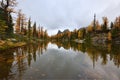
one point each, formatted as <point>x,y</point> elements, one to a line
<point>14,62</point>
<point>106,52</point>
<point>24,62</point>
<point>5,64</point>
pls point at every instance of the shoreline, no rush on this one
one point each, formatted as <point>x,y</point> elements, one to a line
<point>8,45</point>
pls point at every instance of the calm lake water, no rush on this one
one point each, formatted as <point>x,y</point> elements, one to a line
<point>61,61</point>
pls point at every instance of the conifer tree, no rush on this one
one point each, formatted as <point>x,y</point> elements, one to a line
<point>105,24</point>
<point>29,28</point>
<point>7,7</point>
<point>34,30</point>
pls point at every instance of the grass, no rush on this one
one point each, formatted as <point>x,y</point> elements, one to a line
<point>8,44</point>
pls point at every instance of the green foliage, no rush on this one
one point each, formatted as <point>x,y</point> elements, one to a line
<point>114,32</point>
<point>29,28</point>
<point>34,30</point>
<point>10,24</point>
<point>2,29</point>
<point>81,33</point>
<point>111,25</point>
<point>6,18</point>
<point>74,35</point>
<point>104,28</point>
<point>88,38</point>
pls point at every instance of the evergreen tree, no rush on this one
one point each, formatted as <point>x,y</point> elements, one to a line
<point>46,34</point>
<point>3,27</point>
<point>29,28</point>
<point>7,8</point>
<point>10,30</point>
<point>111,25</point>
<point>94,22</point>
<point>34,30</point>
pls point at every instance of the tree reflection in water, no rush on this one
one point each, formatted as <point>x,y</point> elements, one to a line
<point>95,51</point>
<point>14,62</point>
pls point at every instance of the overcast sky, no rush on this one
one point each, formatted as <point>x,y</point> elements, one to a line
<point>56,15</point>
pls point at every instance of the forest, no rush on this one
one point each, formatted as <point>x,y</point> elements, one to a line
<point>23,30</point>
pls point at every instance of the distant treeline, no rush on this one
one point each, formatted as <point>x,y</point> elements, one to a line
<point>94,31</point>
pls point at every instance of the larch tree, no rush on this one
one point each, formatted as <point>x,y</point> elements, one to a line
<point>18,23</point>
<point>79,34</point>
<point>117,23</point>
<point>90,28</point>
<point>69,35</point>
<point>98,26</point>
<point>23,24</point>
<point>105,24</point>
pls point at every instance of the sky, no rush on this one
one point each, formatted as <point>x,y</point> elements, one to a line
<point>56,15</point>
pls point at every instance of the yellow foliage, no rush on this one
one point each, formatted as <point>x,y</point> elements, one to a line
<point>90,28</point>
<point>79,34</point>
<point>69,34</point>
<point>109,36</point>
<point>98,27</point>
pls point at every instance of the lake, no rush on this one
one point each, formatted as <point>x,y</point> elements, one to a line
<point>61,61</point>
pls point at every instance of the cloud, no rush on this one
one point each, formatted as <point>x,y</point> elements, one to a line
<point>112,11</point>
<point>62,14</point>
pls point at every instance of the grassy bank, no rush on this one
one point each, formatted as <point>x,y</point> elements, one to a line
<point>8,44</point>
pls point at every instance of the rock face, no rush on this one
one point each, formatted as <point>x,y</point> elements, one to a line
<point>99,39</point>
<point>65,31</point>
<point>79,41</point>
<point>59,32</point>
